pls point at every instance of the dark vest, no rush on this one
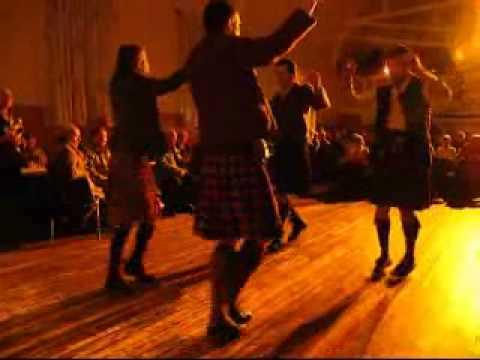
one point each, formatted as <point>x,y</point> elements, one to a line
<point>417,110</point>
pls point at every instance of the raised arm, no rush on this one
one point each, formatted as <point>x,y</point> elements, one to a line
<point>368,90</point>
<point>317,95</point>
<point>263,51</point>
<point>433,84</point>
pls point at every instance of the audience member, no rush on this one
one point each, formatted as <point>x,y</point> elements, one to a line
<point>446,150</point>
<point>174,178</point>
<point>34,155</point>
<point>71,178</point>
<point>354,167</point>
<point>184,146</point>
<point>98,157</point>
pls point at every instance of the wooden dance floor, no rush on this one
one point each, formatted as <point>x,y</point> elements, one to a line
<point>311,300</point>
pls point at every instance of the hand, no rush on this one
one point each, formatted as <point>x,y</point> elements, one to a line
<point>417,64</point>
<point>351,68</point>
<point>310,6</point>
<point>315,79</point>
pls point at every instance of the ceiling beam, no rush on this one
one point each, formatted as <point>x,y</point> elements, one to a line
<point>396,26</point>
<point>408,11</point>
<point>393,40</point>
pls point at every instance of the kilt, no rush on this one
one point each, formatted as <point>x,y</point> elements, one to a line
<point>132,190</point>
<point>235,198</point>
<point>292,170</point>
<point>401,173</point>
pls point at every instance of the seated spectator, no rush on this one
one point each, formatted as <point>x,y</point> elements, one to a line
<point>468,174</point>
<point>354,167</point>
<point>446,150</point>
<point>323,158</point>
<point>444,169</point>
<point>184,146</point>
<point>6,106</point>
<point>11,161</point>
<point>34,155</point>
<point>459,140</point>
<point>72,180</point>
<point>98,157</point>
<point>174,179</point>
<point>356,151</point>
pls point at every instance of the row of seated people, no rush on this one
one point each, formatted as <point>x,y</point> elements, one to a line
<point>81,171</point>
<point>342,159</point>
<point>456,170</point>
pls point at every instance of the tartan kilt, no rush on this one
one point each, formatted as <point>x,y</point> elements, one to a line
<point>236,199</point>
<point>132,190</point>
<point>401,174</point>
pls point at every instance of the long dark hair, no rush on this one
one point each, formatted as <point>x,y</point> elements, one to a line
<point>127,60</point>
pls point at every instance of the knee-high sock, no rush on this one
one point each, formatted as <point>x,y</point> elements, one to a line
<point>383,231</point>
<point>249,259</point>
<point>411,230</point>
<point>116,249</point>
<point>284,207</point>
<point>144,234</point>
<point>224,267</point>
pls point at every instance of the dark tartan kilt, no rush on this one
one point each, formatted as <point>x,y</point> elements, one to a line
<point>236,199</point>
<point>291,167</point>
<point>401,174</point>
<point>132,190</point>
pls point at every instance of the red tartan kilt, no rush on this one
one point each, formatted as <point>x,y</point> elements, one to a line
<point>132,191</point>
<point>236,199</point>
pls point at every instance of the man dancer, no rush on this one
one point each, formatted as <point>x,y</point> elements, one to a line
<point>236,200</point>
<point>291,162</point>
<point>402,155</point>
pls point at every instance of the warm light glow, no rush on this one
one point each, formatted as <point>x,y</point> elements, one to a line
<point>470,51</point>
<point>386,71</point>
<point>459,55</point>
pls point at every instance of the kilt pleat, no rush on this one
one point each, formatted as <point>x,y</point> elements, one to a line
<point>132,190</point>
<point>236,199</point>
<point>401,175</point>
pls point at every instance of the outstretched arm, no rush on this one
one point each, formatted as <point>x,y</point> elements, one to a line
<point>263,51</point>
<point>172,83</point>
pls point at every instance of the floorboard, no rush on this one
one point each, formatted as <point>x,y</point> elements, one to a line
<point>311,300</point>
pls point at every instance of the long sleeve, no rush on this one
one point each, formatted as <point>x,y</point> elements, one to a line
<point>263,51</point>
<point>163,86</point>
<point>318,98</point>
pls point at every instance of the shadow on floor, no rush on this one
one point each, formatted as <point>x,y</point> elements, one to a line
<point>318,326</point>
<point>53,327</point>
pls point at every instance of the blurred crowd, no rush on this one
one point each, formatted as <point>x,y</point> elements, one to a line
<point>69,183</point>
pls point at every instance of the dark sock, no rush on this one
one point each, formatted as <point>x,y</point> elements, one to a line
<point>144,234</point>
<point>411,230</point>
<point>383,231</point>
<point>224,264</point>
<point>116,249</point>
<point>249,259</point>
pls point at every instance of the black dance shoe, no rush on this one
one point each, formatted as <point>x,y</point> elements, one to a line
<point>275,246</point>
<point>379,270</point>
<point>240,317</point>
<point>405,267</point>
<point>118,285</point>
<point>138,272</point>
<point>298,227</point>
<point>223,333</point>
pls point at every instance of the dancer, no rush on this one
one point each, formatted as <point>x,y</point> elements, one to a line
<point>291,162</point>
<point>402,153</point>
<point>133,196</point>
<point>236,200</point>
